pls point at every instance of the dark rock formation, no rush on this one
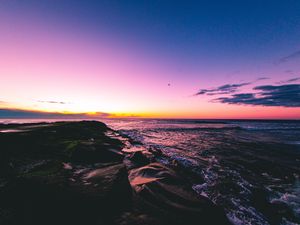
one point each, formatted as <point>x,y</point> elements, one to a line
<point>42,182</point>
<point>73,173</point>
<point>161,190</point>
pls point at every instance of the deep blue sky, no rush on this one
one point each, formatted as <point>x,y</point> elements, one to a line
<point>188,28</point>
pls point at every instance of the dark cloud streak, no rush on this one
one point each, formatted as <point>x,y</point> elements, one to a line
<point>28,114</point>
<point>224,89</point>
<point>289,80</point>
<point>268,95</point>
<point>227,88</point>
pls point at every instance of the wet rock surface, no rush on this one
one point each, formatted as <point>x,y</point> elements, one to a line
<point>80,173</point>
<point>160,189</point>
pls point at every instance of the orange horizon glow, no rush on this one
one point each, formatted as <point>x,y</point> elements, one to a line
<point>238,113</point>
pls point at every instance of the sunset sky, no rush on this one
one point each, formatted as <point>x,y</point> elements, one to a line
<point>162,59</point>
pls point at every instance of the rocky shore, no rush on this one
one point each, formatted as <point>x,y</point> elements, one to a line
<point>86,173</point>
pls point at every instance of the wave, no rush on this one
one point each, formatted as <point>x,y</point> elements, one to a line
<point>197,128</point>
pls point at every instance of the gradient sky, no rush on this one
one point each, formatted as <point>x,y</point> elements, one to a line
<point>168,59</point>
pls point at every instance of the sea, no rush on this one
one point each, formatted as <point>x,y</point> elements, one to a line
<point>250,168</point>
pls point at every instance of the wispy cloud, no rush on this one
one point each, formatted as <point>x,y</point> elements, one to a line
<point>292,56</point>
<point>53,102</point>
<point>4,104</point>
<point>262,78</point>
<point>295,79</point>
<point>289,71</point>
<point>287,95</point>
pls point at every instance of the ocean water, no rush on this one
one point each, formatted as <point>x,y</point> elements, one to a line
<point>249,168</point>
